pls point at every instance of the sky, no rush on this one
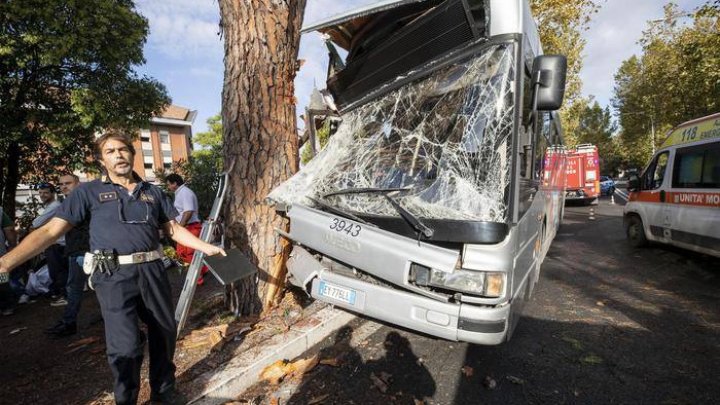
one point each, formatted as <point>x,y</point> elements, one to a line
<point>184,50</point>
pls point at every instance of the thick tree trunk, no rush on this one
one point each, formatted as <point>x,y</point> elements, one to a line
<point>259,132</point>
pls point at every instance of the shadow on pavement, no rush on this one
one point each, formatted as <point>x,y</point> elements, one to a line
<point>398,376</point>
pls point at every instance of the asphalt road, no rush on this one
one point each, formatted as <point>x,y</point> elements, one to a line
<point>607,324</point>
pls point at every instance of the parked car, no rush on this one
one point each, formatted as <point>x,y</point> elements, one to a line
<point>607,185</point>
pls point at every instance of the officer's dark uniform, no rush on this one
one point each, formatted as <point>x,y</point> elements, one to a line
<point>128,223</point>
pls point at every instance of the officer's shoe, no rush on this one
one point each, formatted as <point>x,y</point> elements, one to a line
<point>68,329</point>
<point>171,396</point>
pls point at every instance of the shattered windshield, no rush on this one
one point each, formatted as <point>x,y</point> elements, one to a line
<point>444,138</point>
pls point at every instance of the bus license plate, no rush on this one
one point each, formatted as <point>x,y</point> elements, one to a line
<point>346,295</point>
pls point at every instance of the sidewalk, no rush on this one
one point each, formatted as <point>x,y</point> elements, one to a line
<point>228,380</point>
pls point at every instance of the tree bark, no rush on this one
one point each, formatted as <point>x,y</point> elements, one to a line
<point>259,133</point>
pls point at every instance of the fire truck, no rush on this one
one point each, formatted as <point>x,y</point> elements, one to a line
<point>583,174</point>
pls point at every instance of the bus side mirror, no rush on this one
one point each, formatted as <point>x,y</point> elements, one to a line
<point>548,79</point>
<point>633,183</point>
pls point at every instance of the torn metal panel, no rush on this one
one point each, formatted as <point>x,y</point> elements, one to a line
<point>341,28</point>
<point>444,137</point>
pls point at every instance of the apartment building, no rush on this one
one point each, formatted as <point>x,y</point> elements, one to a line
<point>167,140</point>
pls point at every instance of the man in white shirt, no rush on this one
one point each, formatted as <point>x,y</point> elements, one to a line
<point>186,204</point>
<point>55,254</point>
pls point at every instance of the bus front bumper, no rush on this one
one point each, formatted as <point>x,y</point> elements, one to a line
<point>486,325</point>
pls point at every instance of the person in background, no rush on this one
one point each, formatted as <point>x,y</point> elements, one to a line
<point>186,204</point>
<point>77,243</point>
<point>55,253</point>
<point>8,240</point>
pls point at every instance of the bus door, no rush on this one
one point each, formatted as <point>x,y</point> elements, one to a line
<point>654,196</point>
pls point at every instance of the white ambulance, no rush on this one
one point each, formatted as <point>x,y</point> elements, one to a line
<point>677,198</point>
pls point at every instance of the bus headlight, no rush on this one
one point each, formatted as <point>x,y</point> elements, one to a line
<point>486,284</point>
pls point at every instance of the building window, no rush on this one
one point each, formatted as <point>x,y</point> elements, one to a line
<point>167,165</point>
<point>148,165</point>
<point>164,137</point>
<point>145,135</point>
<point>147,152</point>
<point>167,153</point>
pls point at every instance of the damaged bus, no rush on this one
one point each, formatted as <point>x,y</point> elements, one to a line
<point>433,204</point>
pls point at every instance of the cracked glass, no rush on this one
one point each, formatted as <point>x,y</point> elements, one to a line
<point>444,139</point>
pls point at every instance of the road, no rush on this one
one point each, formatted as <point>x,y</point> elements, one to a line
<point>607,324</point>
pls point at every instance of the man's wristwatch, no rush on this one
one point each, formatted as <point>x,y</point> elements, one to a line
<point>4,278</point>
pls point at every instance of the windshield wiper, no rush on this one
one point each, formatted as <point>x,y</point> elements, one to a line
<point>338,211</point>
<point>421,228</point>
<point>366,190</point>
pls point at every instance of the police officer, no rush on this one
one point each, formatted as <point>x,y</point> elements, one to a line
<point>125,215</point>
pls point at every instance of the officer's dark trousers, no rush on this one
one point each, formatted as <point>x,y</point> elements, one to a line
<point>138,291</point>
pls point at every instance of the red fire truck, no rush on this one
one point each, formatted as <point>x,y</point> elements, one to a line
<point>583,174</point>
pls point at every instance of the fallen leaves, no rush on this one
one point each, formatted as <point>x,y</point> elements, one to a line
<point>490,383</point>
<point>515,380</point>
<point>467,371</point>
<point>591,359</point>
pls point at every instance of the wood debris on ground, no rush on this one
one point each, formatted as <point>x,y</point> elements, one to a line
<point>215,336</point>
<point>332,362</point>
<point>282,369</point>
<point>379,383</point>
<point>318,399</point>
<point>84,343</point>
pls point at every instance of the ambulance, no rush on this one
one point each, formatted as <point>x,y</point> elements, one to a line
<point>676,200</point>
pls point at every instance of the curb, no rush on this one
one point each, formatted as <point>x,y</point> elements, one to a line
<point>242,371</point>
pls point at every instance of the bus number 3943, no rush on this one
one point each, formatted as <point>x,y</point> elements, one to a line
<point>340,225</point>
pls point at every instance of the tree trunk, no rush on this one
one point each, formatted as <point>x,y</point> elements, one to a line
<point>259,133</point>
<point>12,178</point>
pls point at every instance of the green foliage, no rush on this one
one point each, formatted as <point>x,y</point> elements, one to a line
<point>30,211</point>
<point>205,164</point>
<point>323,135</point>
<point>596,126</point>
<point>66,72</point>
<point>676,78</point>
<point>561,24</point>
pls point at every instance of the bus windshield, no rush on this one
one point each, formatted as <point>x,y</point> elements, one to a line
<point>444,140</point>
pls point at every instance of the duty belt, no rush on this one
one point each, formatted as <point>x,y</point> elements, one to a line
<point>107,261</point>
<point>140,257</point>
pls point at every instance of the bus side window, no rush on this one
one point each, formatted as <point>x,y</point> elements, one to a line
<point>653,177</point>
<point>525,139</point>
<point>541,144</point>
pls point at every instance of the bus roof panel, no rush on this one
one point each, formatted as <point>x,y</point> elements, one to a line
<point>342,27</point>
